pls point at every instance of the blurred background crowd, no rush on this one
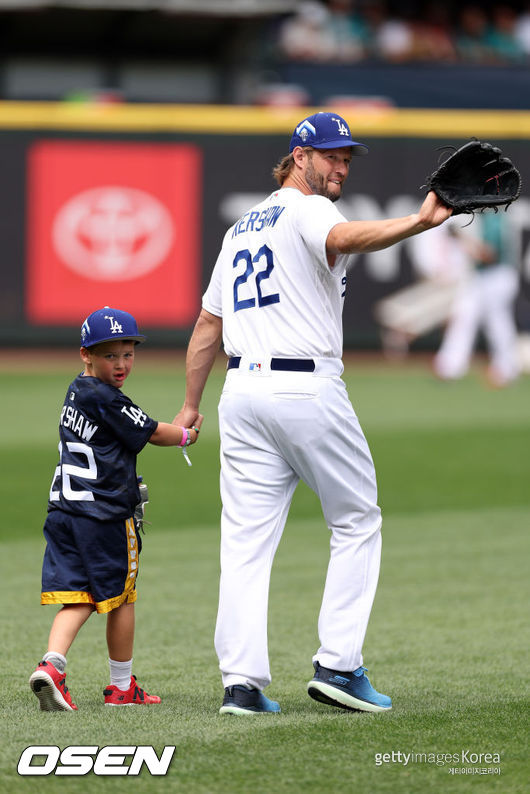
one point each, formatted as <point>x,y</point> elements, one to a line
<point>262,51</point>
<point>346,31</point>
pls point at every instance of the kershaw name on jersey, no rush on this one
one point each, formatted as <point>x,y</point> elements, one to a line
<point>254,221</point>
<point>77,423</point>
<point>272,283</point>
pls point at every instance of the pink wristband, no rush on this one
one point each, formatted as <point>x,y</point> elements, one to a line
<point>184,439</point>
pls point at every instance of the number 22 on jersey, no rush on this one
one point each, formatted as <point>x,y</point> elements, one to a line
<point>254,264</point>
<point>66,470</point>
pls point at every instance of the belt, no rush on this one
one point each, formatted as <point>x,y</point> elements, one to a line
<point>282,364</point>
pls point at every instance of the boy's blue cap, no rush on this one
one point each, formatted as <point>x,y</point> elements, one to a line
<point>105,325</point>
<point>325,131</point>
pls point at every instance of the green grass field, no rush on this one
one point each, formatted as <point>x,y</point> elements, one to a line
<point>448,638</point>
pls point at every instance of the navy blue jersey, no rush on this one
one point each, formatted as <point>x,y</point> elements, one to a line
<point>101,432</point>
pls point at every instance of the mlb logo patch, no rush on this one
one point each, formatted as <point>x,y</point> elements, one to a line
<point>255,366</point>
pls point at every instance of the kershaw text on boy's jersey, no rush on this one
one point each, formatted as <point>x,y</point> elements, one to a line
<point>101,432</point>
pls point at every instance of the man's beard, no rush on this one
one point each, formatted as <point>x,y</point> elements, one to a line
<point>318,184</point>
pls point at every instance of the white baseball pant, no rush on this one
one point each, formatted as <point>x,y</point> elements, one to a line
<point>276,429</point>
<point>487,301</point>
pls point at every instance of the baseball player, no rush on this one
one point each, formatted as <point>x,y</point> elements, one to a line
<point>93,546</point>
<point>485,300</point>
<point>412,311</point>
<point>275,298</point>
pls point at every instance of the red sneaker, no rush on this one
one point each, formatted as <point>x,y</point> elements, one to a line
<point>50,687</point>
<point>134,696</point>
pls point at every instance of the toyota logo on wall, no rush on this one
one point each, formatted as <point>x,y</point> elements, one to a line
<point>113,233</point>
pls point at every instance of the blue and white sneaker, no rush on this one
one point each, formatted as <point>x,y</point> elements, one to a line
<point>352,691</point>
<point>239,699</point>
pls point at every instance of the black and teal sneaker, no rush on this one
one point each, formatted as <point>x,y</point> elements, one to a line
<point>351,691</point>
<point>239,699</point>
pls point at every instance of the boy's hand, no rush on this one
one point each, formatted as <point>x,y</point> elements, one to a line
<point>168,435</point>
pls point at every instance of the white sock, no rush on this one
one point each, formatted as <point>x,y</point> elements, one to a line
<point>120,674</point>
<point>55,658</point>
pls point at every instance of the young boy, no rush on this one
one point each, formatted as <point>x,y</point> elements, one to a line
<point>91,558</point>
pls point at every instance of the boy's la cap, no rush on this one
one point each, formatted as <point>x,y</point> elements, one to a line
<point>325,131</point>
<point>106,324</point>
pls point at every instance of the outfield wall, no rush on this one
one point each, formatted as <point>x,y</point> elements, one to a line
<point>127,205</point>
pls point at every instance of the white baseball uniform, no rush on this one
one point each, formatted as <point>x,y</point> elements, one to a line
<point>485,300</point>
<point>443,265</point>
<point>285,416</point>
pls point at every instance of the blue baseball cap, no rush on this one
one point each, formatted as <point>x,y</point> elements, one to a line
<point>325,131</point>
<point>106,325</point>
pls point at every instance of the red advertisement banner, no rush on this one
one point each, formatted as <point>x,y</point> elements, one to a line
<point>114,224</point>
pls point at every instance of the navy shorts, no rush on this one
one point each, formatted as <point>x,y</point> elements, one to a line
<point>89,562</point>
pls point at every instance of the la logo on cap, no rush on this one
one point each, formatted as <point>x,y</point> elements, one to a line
<point>115,327</point>
<point>343,129</point>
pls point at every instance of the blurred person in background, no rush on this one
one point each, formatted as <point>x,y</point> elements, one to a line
<point>502,35</point>
<point>332,33</point>
<point>433,34</point>
<point>442,265</point>
<point>348,30</point>
<point>522,30</point>
<point>485,302</point>
<point>471,38</point>
<point>305,36</point>
<point>389,37</point>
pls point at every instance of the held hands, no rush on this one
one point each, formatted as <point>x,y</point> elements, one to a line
<point>177,434</point>
<point>190,434</point>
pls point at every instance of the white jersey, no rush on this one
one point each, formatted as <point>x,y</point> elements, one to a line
<point>272,283</point>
